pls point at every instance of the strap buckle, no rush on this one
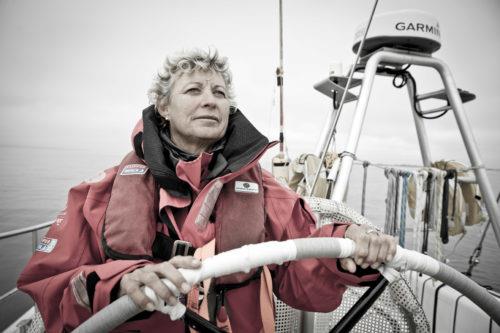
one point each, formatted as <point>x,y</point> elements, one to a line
<point>181,248</point>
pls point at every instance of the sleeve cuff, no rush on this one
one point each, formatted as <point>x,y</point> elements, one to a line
<point>109,275</point>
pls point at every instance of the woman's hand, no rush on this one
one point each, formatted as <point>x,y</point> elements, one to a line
<point>372,248</point>
<point>151,275</point>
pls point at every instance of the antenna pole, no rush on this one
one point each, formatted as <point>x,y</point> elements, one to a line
<point>281,161</point>
<point>279,77</point>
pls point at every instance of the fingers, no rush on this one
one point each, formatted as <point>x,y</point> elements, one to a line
<point>131,287</point>
<point>362,249</point>
<point>185,262</point>
<point>382,255</point>
<point>170,272</point>
<point>393,246</point>
<point>151,275</point>
<point>373,252</point>
<point>348,264</point>
<point>372,248</point>
<point>147,276</point>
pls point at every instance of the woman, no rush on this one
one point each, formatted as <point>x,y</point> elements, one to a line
<point>192,182</point>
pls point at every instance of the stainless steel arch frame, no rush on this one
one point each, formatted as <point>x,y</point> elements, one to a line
<point>401,58</point>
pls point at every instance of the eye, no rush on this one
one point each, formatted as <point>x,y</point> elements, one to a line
<point>220,93</point>
<point>193,91</point>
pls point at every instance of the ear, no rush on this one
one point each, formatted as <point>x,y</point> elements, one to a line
<point>163,111</point>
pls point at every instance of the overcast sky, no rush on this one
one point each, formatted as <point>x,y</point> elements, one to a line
<point>74,74</point>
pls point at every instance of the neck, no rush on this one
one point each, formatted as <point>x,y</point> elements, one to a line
<point>194,148</point>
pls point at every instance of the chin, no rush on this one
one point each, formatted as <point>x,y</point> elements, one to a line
<point>210,134</point>
<point>210,138</point>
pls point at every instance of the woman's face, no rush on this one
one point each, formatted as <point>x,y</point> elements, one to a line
<point>198,110</point>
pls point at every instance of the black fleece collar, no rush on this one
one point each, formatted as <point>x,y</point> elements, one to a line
<point>242,144</point>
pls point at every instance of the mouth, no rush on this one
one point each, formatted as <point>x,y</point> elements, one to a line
<point>207,117</point>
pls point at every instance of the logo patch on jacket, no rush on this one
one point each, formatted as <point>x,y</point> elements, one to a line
<point>134,169</point>
<point>60,219</point>
<point>246,187</point>
<point>46,245</point>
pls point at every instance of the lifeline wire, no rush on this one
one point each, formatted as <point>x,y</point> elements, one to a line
<point>384,166</point>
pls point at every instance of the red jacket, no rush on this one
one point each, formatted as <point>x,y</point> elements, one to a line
<point>71,257</point>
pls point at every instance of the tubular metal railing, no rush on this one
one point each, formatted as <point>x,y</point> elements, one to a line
<point>34,241</point>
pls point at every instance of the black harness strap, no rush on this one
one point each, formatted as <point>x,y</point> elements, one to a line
<point>197,322</point>
<point>427,214</point>
<point>444,211</point>
<point>165,247</point>
<point>216,294</point>
<point>166,220</point>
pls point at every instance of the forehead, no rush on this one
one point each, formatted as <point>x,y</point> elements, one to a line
<point>199,76</point>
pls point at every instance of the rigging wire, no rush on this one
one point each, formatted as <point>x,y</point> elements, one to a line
<point>476,253</point>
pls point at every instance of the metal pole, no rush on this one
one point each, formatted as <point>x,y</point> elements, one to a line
<point>21,231</point>
<point>357,123</point>
<point>281,162</point>
<point>342,101</point>
<point>458,110</point>
<point>471,147</point>
<point>279,73</point>
<point>358,310</point>
<point>7,294</point>
<point>423,139</point>
<point>307,322</point>
<point>324,140</point>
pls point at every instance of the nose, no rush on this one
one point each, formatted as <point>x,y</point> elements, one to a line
<point>208,99</point>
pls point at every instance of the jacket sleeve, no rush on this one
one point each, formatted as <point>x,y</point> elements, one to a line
<point>311,284</point>
<point>67,276</point>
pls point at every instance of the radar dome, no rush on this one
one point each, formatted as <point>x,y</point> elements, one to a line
<point>411,29</point>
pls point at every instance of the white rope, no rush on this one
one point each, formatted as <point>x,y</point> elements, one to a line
<point>397,207</point>
<point>390,201</point>
<point>419,178</point>
<point>403,204</point>
<point>437,207</point>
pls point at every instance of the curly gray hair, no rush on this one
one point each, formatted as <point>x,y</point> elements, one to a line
<point>187,62</point>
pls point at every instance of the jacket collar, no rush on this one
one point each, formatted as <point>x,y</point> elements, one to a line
<point>243,144</point>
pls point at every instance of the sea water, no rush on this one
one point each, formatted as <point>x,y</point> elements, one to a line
<point>35,181</point>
